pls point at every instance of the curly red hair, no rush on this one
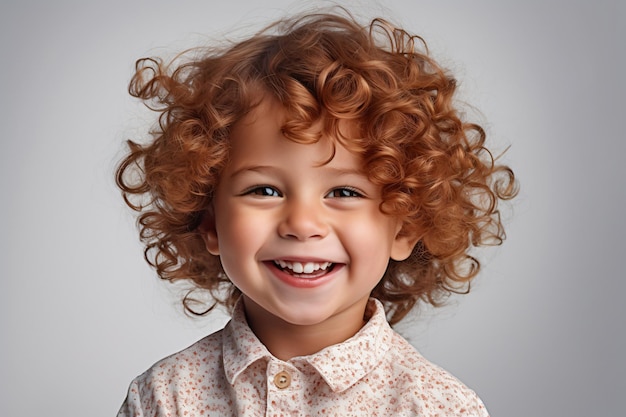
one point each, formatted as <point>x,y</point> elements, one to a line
<point>433,168</point>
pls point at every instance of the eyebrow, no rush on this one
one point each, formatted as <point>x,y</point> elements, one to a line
<point>255,168</point>
<point>344,172</point>
<point>265,168</point>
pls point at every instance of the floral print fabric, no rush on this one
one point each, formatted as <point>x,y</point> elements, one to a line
<point>231,373</point>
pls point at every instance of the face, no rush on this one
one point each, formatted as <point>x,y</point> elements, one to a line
<point>304,241</point>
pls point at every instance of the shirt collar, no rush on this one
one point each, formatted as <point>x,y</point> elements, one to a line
<point>341,365</point>
<point>240,346</point>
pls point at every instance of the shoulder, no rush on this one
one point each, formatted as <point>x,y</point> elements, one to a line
<point>196,361</point>
<point>192,379</point>
<point>428,386</point>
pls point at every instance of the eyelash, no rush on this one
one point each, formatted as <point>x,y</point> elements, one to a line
<point>269,191</point>
<point>263,191</point>
<point>350,191</point>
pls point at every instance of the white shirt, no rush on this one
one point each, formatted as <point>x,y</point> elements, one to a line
<point>231,373</point>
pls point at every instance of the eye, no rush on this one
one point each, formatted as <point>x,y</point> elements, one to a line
<point>263,191</point>
<point>344,192</point>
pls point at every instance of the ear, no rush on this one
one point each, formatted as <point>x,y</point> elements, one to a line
<point>402,245</point>
<point>209,233</point>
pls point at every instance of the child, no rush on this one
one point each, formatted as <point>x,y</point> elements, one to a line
<point>318,181</point>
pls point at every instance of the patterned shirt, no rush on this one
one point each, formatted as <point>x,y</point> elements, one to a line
<point>231,373</point>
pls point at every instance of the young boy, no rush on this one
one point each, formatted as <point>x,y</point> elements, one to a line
<point>318,181</point>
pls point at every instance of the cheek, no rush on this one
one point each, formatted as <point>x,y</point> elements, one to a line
<point>240,235</point>
<point>370,238</point>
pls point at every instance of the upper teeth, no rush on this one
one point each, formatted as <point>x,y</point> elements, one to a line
<point>303,268</point>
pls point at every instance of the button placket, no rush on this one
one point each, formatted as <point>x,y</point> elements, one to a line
<point>282,380</point>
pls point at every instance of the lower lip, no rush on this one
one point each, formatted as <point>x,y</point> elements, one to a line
<point>297,282</point>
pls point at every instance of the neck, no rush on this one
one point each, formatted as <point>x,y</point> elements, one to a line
<point>286,340</point>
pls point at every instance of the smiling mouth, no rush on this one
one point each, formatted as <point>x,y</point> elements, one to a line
<point>306,269</point>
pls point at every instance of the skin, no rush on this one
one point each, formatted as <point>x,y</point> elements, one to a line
<point>278,201</point>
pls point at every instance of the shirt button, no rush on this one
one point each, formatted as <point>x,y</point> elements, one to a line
<point>282,380</point>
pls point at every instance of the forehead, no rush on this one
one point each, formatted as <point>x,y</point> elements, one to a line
<point>268,131</point>
<point>266,116</point>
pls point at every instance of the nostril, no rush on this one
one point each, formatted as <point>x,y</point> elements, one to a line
<point>295,236</point>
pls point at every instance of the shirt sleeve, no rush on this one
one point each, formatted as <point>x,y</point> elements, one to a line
<point>133,406</point>
<point>474,407</point>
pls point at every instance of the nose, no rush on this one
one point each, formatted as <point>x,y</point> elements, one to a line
<point>303,220</point>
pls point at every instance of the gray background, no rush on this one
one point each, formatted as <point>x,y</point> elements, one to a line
<point>542,334</point>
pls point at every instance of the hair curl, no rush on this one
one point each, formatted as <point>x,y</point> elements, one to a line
<point>433,168</point>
